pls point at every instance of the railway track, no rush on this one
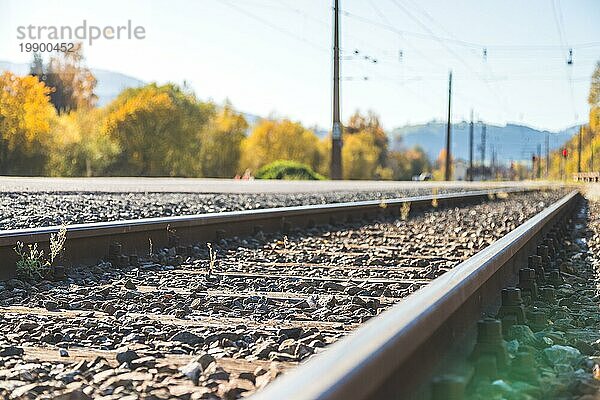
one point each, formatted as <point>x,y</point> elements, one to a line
<point>169,317</point>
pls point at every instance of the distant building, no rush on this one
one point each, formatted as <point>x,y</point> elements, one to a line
<point>460,170</point>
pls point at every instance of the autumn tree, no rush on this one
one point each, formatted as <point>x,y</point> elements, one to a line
<point>25,117</point>
<point>79,146</point>
<point>273,140</point>
<point>361,156</point>
<point>221,142</point>
<point>364,150</point>
<point>369,124</point>
<point>72,82</point>
<point>408,163</point>
<point>157,130</point>
<point>561,168</point>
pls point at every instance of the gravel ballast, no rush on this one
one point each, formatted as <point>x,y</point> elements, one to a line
<point>37,209</point>
<point>201,327</point>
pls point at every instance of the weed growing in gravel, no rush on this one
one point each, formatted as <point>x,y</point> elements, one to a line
<point>32,263</point>
<point>212,258</point>
<point>491,196</point>
<point>405,210</point>
<point>150,243</point>
<point>502,195</point>
<point>57,243</point>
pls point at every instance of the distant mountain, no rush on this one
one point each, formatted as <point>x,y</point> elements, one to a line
<point>110,84</point>
<point>510,142</point>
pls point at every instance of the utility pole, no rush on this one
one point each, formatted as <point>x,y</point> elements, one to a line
<point>471,148</point>
<point>547,154</point>
<point>447,173</point>
<point>336,130</point>
<point>579,149</point>
<point>482,148</point>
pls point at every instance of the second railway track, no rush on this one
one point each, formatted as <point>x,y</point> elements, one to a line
<point>192,322</point>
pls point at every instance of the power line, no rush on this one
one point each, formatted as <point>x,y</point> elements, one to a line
<point>451,51</point>
<point>464,43</point>
<point>558,19</point>
<point>273,26</point>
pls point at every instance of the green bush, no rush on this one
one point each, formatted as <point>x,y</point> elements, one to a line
<point>288,170</point>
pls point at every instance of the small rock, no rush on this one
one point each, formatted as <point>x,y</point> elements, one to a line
<point>27,326</point>
<point>352,290</point>
<point>110,309</point>
<point>126,356</point>
<point>197,304</point>
<point>558,354</point>
<point>292,333</point>
<point>187,337</point>
<point>72,394</point>
<point>9,351</point>
<point>205,360</point>
<point>249,376</point>
<point>63,352</point>
<point>233,389</point>
<point>130,285</point>
<point>216,373</point>
<point>287,346</point>
<point>148,362</point>
<point>264,349</point>
<point>51,305</point>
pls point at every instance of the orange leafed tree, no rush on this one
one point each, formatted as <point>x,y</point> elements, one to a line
<point>25,117</point>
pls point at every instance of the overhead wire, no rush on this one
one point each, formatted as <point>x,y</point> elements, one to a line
<point>558,19</point>
<point>501,102</point>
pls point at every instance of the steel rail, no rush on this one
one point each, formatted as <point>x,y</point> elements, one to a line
<point>88,243</point>
<point>394,355</point>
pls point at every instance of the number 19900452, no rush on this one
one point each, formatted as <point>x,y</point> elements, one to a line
<point>46,47</point>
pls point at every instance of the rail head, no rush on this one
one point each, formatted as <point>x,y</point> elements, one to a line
<point>356,365</point>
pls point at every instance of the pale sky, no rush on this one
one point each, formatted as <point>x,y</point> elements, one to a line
<point>274,56</point>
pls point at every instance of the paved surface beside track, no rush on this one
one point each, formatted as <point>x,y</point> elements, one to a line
<point>196,185</point>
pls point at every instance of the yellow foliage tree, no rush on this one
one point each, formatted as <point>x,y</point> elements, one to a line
<point>25,116</point>
<point>79,146</point>
<point>273,140</point>
<point>324,147</point>
<point>371,125</point>
<point>221,143</point>
<point>564,168</point>
<point>157,130</point>
<point>360,155</point>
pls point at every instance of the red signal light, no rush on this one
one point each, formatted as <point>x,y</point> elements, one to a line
<point>565,153</point>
